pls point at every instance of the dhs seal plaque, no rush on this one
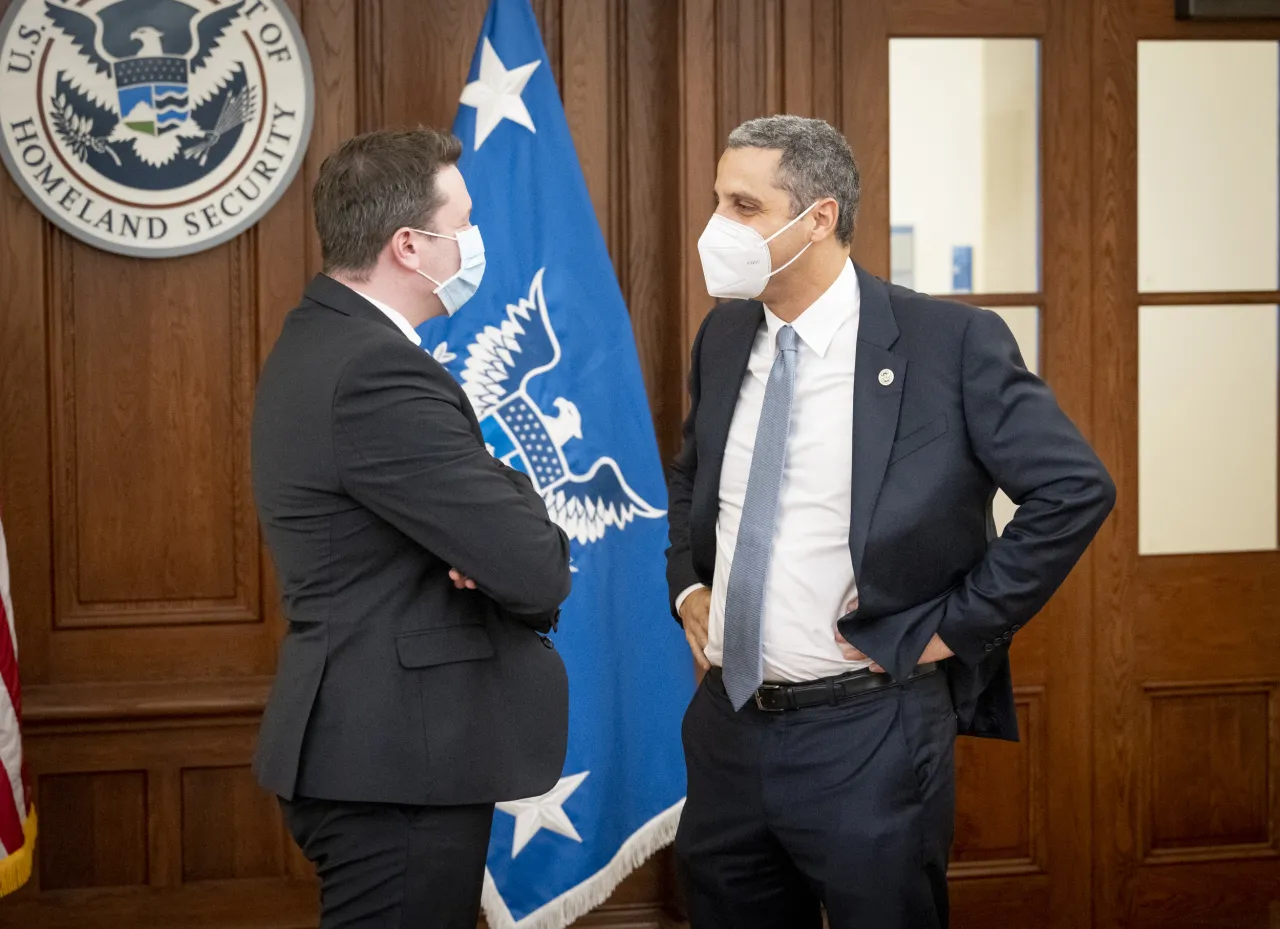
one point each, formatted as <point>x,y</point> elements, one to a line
<point>153,128</point>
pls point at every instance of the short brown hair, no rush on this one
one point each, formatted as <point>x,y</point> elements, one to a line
<point>816,162</point>
<point>373,185</point>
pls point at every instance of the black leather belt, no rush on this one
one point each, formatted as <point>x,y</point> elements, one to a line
<point>778,698</point>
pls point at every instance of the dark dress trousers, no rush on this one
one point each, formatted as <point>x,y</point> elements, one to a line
<point>397,694</point>
<point>851,806</point>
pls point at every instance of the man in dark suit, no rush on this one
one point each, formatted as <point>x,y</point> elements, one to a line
<point>416,685</point>
<point>833,557</point>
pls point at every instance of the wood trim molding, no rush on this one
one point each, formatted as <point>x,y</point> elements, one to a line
<point>60,704</point>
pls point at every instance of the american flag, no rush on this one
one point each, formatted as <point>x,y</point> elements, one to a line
<point>17,815</point>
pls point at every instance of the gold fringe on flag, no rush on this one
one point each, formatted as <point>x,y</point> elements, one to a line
<point>16,869</point>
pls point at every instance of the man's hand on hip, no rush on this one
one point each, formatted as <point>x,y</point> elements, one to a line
<point>936,650</point>
<point>695,614</point>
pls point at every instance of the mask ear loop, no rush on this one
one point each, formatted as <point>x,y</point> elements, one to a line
<point>792,261</point>
<point>455,238</point>
<point>784,229</point>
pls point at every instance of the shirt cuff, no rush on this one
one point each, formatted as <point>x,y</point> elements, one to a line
<point>684,594</point>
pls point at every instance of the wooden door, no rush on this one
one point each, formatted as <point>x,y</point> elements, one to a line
<point>1023,842</point>
<point>1186,654</point>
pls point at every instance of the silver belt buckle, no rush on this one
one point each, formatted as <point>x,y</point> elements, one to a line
<point>760,703</point>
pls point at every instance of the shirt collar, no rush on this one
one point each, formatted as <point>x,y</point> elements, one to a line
<point>818,324</point>
<point>401,323</point>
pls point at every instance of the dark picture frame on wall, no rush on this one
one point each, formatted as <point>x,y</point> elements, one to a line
<point>1228,9</point>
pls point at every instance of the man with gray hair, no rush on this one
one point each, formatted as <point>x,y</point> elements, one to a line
<point>419,575</point>
<point>833,558</point>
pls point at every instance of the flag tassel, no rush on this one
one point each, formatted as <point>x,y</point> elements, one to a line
<point>577,902</point>
<point>15,869</point>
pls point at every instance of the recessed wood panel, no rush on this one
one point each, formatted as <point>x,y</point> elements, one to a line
<point>1209,757</point>
<point>231,827</point>
<point>93,830</point>
<point>999,793</point>
<point>153,513</point>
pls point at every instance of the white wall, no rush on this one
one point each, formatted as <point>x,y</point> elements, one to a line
<point>936,150</point>
<point>964,157</point>
<point>1208,211</point>
<point>1208,169</point>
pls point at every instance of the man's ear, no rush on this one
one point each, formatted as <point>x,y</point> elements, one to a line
<point>404,248</point>
<point>826,214</point>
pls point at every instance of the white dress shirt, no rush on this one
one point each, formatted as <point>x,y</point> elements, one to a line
<point>810,580</point>
<point>401,323</point>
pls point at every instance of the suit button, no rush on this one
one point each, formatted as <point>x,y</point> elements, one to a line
<point>547,643</point>
<point>988,647</point>
<point>1016,628</point>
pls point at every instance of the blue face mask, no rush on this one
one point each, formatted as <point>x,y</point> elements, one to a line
<point>461,287</point>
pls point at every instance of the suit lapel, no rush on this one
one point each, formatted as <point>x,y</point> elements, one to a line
<point>875,407</point>
<point>722,382</point>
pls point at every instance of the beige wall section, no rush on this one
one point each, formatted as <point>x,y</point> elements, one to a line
<point>1208,213</point>
<point>964,160</point>
<point>1208,166</point>
<point>1207,387</point>
<point>1009,260</point>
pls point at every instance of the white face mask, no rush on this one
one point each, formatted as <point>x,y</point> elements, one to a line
<point>735,258</point>
<point>461,287</point>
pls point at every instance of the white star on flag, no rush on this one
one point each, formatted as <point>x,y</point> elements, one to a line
<point>545,812</point>
<point>496,95</point>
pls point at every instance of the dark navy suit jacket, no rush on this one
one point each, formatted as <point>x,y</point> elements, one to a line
<point>961,417</point>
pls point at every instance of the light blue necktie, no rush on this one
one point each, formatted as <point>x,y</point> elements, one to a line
<point>744,606</point>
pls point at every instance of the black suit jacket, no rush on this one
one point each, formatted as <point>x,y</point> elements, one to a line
<point>372,481</point>
<point>961,417</point>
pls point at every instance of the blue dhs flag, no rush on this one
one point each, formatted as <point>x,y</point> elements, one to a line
<point>546,353</point>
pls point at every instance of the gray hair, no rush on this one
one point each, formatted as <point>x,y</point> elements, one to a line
<point>373,185</point>
<point>816,163</point>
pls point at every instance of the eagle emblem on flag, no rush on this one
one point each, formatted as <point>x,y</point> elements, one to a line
<point>501,364</point>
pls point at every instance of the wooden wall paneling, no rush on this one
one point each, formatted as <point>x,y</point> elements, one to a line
<point>797,26</point>
<point>650,249</point>
<point>369,64</point>
<point>107,813</point>
<point>700,145</point>
<point>164,833</point>
<point>24,426</point>
<point>864,120</point>
<point>991,18</point>
<point>588,31</point>
<point>155,804</point>
<point>426,51</point>
<point>152,378</point>
<point>1066,625</point>
<point>748,54</point>
<point>811,65</point>
<point>230,826</point>
<point>550,16</point>
<point>1186,592</point>
<point>828,61</point>
<point>1208,790</point>
<point>1115,181</point>
<point>329,27</point>
<point>1001,799</point>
